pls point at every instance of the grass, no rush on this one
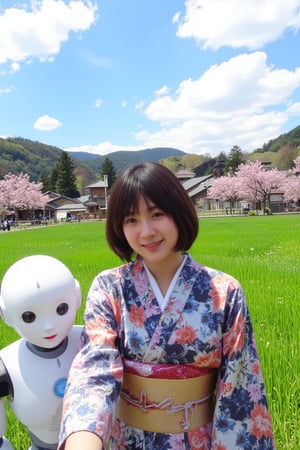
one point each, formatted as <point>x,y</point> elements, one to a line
<point>263,253</point>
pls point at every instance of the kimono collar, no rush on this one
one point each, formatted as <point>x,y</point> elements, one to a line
<point>163,300</point>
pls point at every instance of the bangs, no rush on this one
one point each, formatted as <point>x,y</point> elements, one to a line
<point>128,202</point>
<point>131,194</point>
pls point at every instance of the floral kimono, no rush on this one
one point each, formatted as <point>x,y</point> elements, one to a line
<point>205,324</point>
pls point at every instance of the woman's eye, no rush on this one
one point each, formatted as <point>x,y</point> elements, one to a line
<point>158,214</point>
<point>62,309</point>
<point>129,220</point>
<point>28,317</point>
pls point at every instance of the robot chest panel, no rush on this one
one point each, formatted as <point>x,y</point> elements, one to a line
<point>38,386</point>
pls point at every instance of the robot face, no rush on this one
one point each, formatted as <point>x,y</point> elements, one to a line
<point>46,325</point>
<point>39,299</point>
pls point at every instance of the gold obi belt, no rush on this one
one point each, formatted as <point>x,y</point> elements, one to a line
<point>165,398</point>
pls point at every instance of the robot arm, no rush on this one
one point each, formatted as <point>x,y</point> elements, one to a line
<point>2,419</point>
<point>4,443</point>
<point>6,387</point>
<point>5,390</point>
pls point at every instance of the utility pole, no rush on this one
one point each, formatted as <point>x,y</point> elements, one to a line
<point>105,190</point>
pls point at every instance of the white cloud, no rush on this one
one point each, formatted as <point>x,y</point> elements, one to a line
<point>242,101</point>
<point>243,83</point>
<point>98,103</point>
<point>95,60</point>
<point>104,148</point>
<point>162,91</point>
<point>6,90</point>
<point>14,67</point>
<point>47,123</point>
<point>294,109</point>
<point>237,23</point>
<point>212,137</point>
<point>39,33</point>
<point>176,17</point>
<point>139,105</point>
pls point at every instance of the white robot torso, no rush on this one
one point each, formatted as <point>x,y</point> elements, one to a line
<point>38,379</point>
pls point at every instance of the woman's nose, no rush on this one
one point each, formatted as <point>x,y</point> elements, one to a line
<point>146,228</point>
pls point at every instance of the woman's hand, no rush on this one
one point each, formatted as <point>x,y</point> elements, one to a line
<point>83,440</point>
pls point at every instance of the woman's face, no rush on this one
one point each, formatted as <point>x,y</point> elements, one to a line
<point>152,234</point>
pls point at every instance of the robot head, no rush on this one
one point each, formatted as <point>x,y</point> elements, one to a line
<point>39,299</point>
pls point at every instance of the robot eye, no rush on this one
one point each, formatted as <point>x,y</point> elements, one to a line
<point>28,317</point>
<point>62,309</point>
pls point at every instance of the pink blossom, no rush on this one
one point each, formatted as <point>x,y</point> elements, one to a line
<point>17,192</point>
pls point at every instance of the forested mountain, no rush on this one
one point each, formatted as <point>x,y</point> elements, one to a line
<point>23,155</point>
<point>280,152</point>
<point>37,159</point>
<point>291,138</point>
<point>122,159</point>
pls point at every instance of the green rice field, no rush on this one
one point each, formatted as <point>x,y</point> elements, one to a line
<point>262,252</point>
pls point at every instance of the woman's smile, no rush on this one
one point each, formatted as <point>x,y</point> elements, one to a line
<point>152,245</point>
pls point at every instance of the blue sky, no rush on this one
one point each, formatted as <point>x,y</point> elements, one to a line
<point>107,75</point>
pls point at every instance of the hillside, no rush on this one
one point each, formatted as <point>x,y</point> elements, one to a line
<point>23,155</point>
<point>122,159</point>
<point>280,152</point>
<point>36,159</point>
<point>291,138</point>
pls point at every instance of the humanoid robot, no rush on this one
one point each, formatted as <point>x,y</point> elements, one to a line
<point>39,299</point>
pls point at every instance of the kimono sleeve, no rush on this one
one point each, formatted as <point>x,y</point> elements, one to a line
<point>96,373</point>
<point>241,418</point>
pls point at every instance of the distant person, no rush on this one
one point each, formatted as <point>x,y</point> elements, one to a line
<point>246,209</point>
<point>168,358</point>
<point>5,225</point>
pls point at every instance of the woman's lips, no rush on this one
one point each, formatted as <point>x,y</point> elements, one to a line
<point>152,246</point>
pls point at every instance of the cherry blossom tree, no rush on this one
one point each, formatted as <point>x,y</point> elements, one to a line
<point>257,182</point>
<point>296,169</point>
<point>292,189</point>
<point>17,192</point>
<point>226,188</point>
<point>292,183</point>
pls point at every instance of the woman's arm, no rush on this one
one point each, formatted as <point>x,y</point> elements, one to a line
<point>83,440</point>
<point>95,377</point>
<point>241,411</point>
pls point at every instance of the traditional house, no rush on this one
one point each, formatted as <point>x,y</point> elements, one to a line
<point>63,208</point>
<point>184,175</point>
<point>96,201</point>
<point>276,201</point>
<point>197,189</point>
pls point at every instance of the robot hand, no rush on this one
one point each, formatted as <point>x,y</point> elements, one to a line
<point>5,444</point>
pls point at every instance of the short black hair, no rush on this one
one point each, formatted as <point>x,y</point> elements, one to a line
<point>155,182</point>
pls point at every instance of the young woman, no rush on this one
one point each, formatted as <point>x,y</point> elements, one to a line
<point>168,358</point>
